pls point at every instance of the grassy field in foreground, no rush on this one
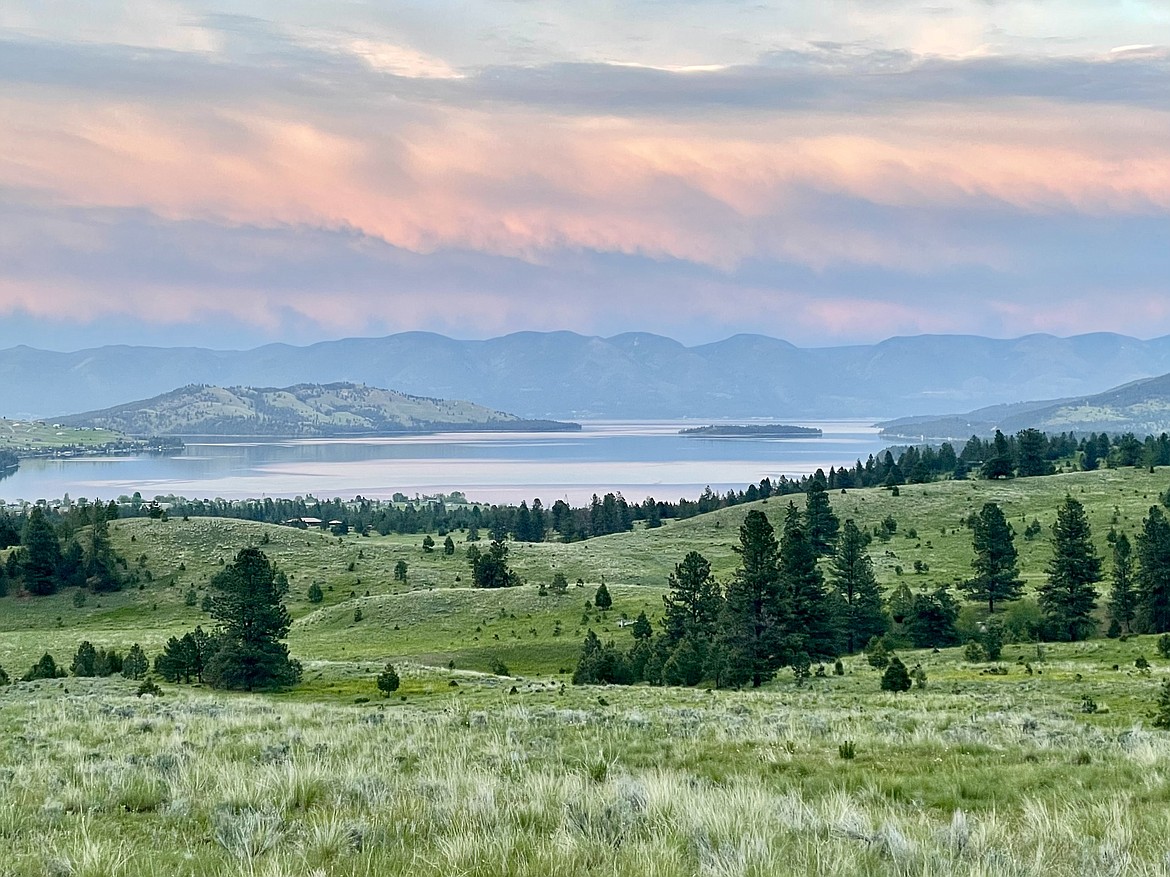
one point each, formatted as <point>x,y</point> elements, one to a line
<point>1044,763</point>
<point>1000,778</point>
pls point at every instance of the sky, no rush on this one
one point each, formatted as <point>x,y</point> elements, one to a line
<point>826,171</point>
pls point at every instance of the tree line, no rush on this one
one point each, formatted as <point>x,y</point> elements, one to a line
<point>809,595</point>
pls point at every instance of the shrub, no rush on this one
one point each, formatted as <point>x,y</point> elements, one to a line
<point>973,652</point>
<point>896,678</point>
<point>316,595</point>
<point>499,668</point>
<point>148,686</point>
<point>1164,645</point>
<point>191,599</point>
<point>847,750</point>
<point>357,614</point>
<point>1141,663</point>
<point>838,668</point>
<point>388,681</point>
<point>45,668</point>
<point>877,654</point>
<point>1162,714</point>
<point>4,680</point>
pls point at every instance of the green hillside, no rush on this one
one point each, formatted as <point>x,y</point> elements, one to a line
<point>336,409</point>
<point>1141,407</point>
<point>1046,760</point>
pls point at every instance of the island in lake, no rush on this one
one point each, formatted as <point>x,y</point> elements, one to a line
<point>755,430</point>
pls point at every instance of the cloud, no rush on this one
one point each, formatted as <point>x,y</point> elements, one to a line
<point>302,177</point>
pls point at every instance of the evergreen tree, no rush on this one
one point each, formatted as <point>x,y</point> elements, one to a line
<point>694,602</point>
<point>1031,446</point>
<point>388,681</point>
<point>559,584</point>
<point>1162,711</point>
<point>448,546</point>
<point>1153,577</point>
<point>1123,599</point>
<point>248,604</point>
<point>641,628</point>
<point>42,554</point>
<point>685,664</point>
<point>4,680</point>
<point>754,620</point>
<point>1068,598</point>
<point>1000,464</point>
<point>315,594</point>
<point>45,668</point>
<point>931,620</point>
<point>489,569</point>
<point>85,661</point>
<point>400,570</point>
<point>135,666</point>
<point>814,628</point>
<point>896,677</point>
<point>602,600</point>
<point>100,565</point>
<point>997,575</point>
<point>857,589</point>
<point>820,521</point>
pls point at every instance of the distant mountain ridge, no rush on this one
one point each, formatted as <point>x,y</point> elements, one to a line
<point>337,409</point>
<point>635,375</point>
<point>1141,407</point>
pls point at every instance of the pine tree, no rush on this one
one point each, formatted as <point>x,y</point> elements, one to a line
<point>135,666</point>
<point>1153,577</point>
<point>400,570</point>
<point>602,600</point>
<point>754,620</point>
<point>315,594</point>
<point>100,565</point>
<point>931,620</point>
<point>388,681</point>
<point>1123,599</point>
<point>694,602</point>
<point>997,574</point>
<point>249,606</point>
<point>448,546</point>
<point>1162,714</point>
<point>896,677</point>
<point>820,521</point>
<point>1000,464</point>
<point>1068,598</point>
<point>85,661</point>
<point>42,554</point>
<point>814,628</point>
<point>857,589</point>
<point>641,628</point>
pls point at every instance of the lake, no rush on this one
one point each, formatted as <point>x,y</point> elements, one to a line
<point>639,459</point>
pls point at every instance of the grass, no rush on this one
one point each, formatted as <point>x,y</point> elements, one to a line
<point>20,435</point>
<point>464,771</point>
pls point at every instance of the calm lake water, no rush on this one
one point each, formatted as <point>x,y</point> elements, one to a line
<point>639,459</point>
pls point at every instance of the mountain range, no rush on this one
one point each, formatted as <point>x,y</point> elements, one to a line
<point>337,409</point>
<point>636,375</point>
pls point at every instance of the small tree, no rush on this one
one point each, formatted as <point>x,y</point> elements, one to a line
<point>559,585</point>
<point>134,665</point>
<point>896,678</point>
<point>388,681</point>
<point>4,680</point>
<point>191,599</point>
<point>428,544</point>
<point>996,563</point>
<point>601,599</point>
<point>448,546</point>
<point>316,595</point>
<point>45,668</point>
<point>85,661</point>
<point>400,570</point>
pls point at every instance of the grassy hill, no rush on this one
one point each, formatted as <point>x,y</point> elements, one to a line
<point>1141,407</point>
<point>31,436</point>
<point>301,410</point>
<point>1050,759</point>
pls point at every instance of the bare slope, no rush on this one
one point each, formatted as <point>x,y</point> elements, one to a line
<point>300,410</point>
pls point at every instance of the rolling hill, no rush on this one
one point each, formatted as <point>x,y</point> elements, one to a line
<point>302,410</point>
<point>1141,407</point>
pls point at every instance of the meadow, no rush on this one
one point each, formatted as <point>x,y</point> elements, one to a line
<point>1045,762</point>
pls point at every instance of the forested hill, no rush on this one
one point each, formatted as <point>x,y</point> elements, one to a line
<point>337,409</point>
<point>1141,407</point>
